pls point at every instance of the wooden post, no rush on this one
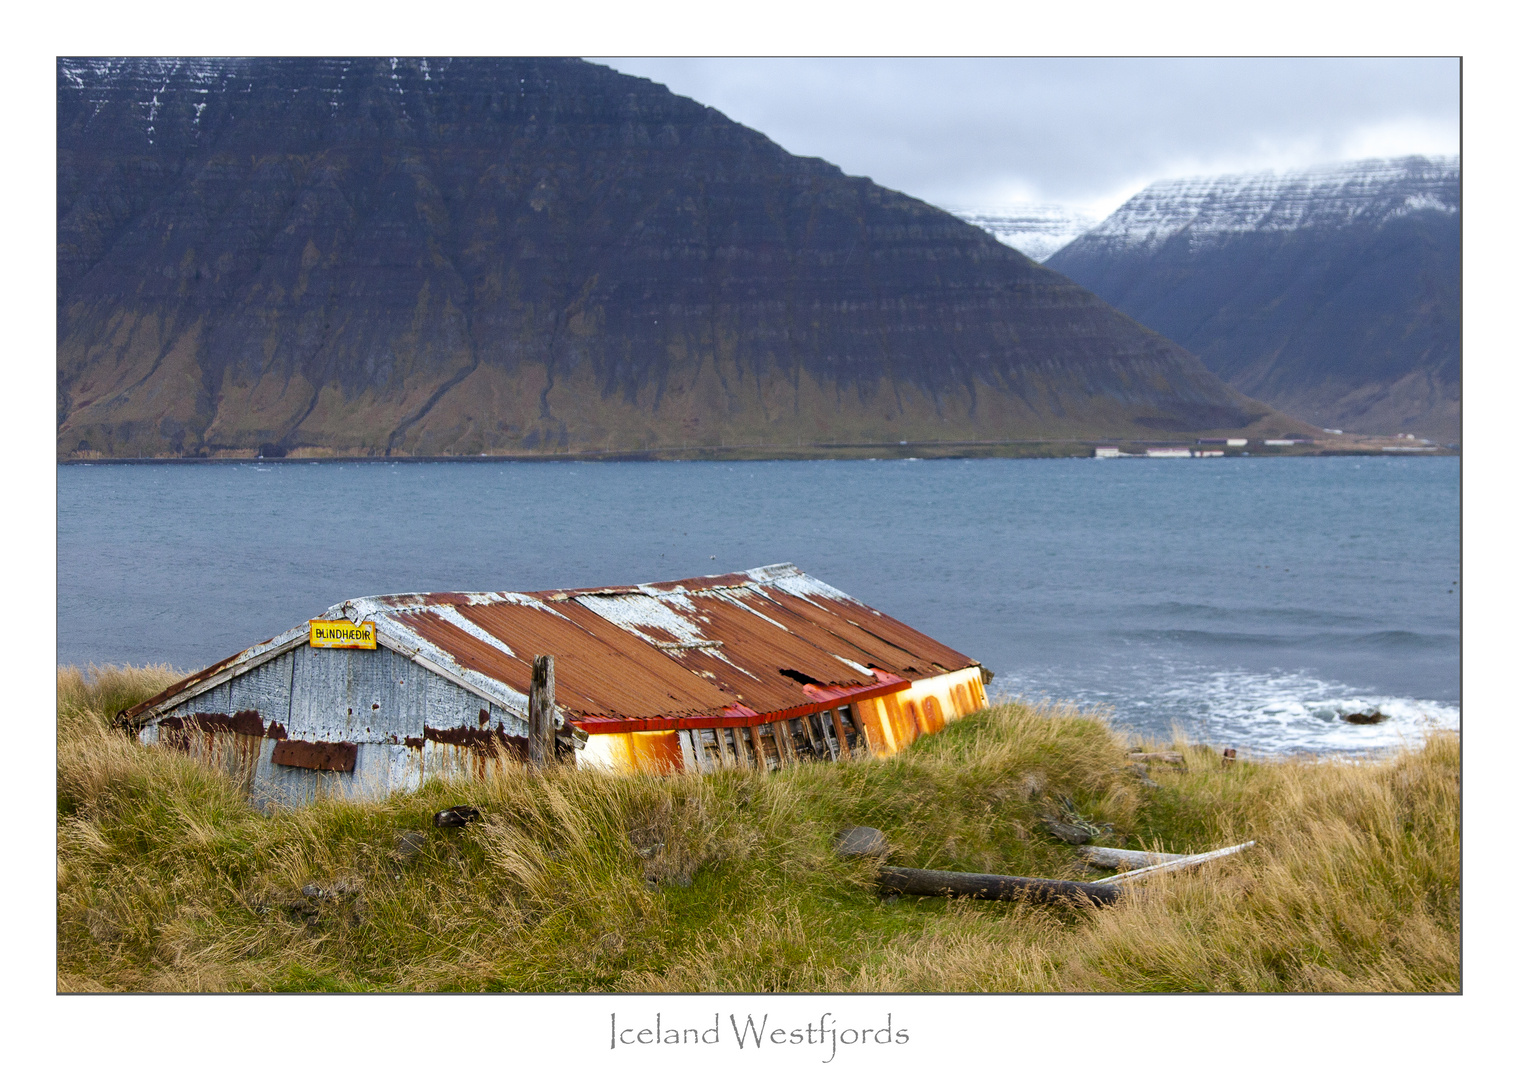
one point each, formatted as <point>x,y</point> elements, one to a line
<point>540,714</point>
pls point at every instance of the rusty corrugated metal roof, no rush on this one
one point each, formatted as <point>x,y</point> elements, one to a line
<point>755,643</point>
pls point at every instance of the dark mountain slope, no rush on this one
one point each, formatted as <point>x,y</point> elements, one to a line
<point>460,256</point>
<point>1332,293</point>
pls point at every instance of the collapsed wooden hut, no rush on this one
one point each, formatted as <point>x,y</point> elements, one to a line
<point>758,669</point>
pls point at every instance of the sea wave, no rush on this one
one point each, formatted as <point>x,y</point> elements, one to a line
<point>1233,614</point>
<point>1270,713</point>
<point>1381,640</point>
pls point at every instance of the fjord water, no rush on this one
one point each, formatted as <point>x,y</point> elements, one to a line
<point>1253,602</point>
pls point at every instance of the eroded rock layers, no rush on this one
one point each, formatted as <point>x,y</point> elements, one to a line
<point>493,255</point>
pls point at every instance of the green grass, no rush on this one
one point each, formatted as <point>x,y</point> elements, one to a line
<point>168,880</point>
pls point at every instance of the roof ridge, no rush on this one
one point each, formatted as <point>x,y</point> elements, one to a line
<point>396,601</point>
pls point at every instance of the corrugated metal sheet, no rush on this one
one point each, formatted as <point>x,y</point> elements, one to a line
<point>403,724</point>
<point>767,642</point>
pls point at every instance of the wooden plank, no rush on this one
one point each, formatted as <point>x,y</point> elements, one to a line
<point>849,735</point>
<point>764,742</point>
<point>724,747</point>
<point>858,738</point>
<point>742,748</point>
<point>802,736</point>
<point>815,736</point>
<point>762,753</point>
<point>819,733</point>
<point>840,732</point>
<point>764,747</point>
<point>829,727</point>
<point>688,751</point>
<point>783,744</point>
<point>796,735</point>
<point>540,714</point>
<point>706,747</point>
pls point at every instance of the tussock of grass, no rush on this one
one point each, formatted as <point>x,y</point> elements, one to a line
<point>168,880</point>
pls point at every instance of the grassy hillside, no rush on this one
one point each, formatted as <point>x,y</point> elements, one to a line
<point>167,880</point>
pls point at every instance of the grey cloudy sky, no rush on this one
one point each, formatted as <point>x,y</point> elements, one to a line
<point>1083,132</point>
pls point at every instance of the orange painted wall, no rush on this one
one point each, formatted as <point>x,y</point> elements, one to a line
<point>892,722</point>
<point>638,751</point>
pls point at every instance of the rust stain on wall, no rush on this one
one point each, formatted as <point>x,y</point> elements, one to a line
<point>328,756</point>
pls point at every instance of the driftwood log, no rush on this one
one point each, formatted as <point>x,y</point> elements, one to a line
<point>1110,858</point>
<point>861,841</point>
<point>1169,757</point>
<point>1175,864</point>
<point>905,879</point>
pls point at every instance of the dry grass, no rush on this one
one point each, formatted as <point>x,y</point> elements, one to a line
<point>167,880</point>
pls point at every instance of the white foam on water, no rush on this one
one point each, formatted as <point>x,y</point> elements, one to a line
<point>1265,713</point>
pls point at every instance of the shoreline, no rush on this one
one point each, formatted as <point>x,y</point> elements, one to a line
<point>1339,446</point>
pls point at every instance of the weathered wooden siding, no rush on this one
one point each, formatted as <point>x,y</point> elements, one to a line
<point>366,695</point>
<point>406,723</point>
<point>265,690</point>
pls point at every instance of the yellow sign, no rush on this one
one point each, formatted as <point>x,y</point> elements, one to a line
<point>342,635</point>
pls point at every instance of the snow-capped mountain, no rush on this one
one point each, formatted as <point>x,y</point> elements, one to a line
<point>1332,293</point>
<point>1208,208</point>
<point>1036,229</point>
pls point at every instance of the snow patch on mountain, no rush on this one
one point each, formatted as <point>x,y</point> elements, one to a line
<point>1324,197</point>
<point>1036,229</point>
<point>179,85</point>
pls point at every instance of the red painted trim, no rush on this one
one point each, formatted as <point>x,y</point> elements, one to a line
<point>823,697</point>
